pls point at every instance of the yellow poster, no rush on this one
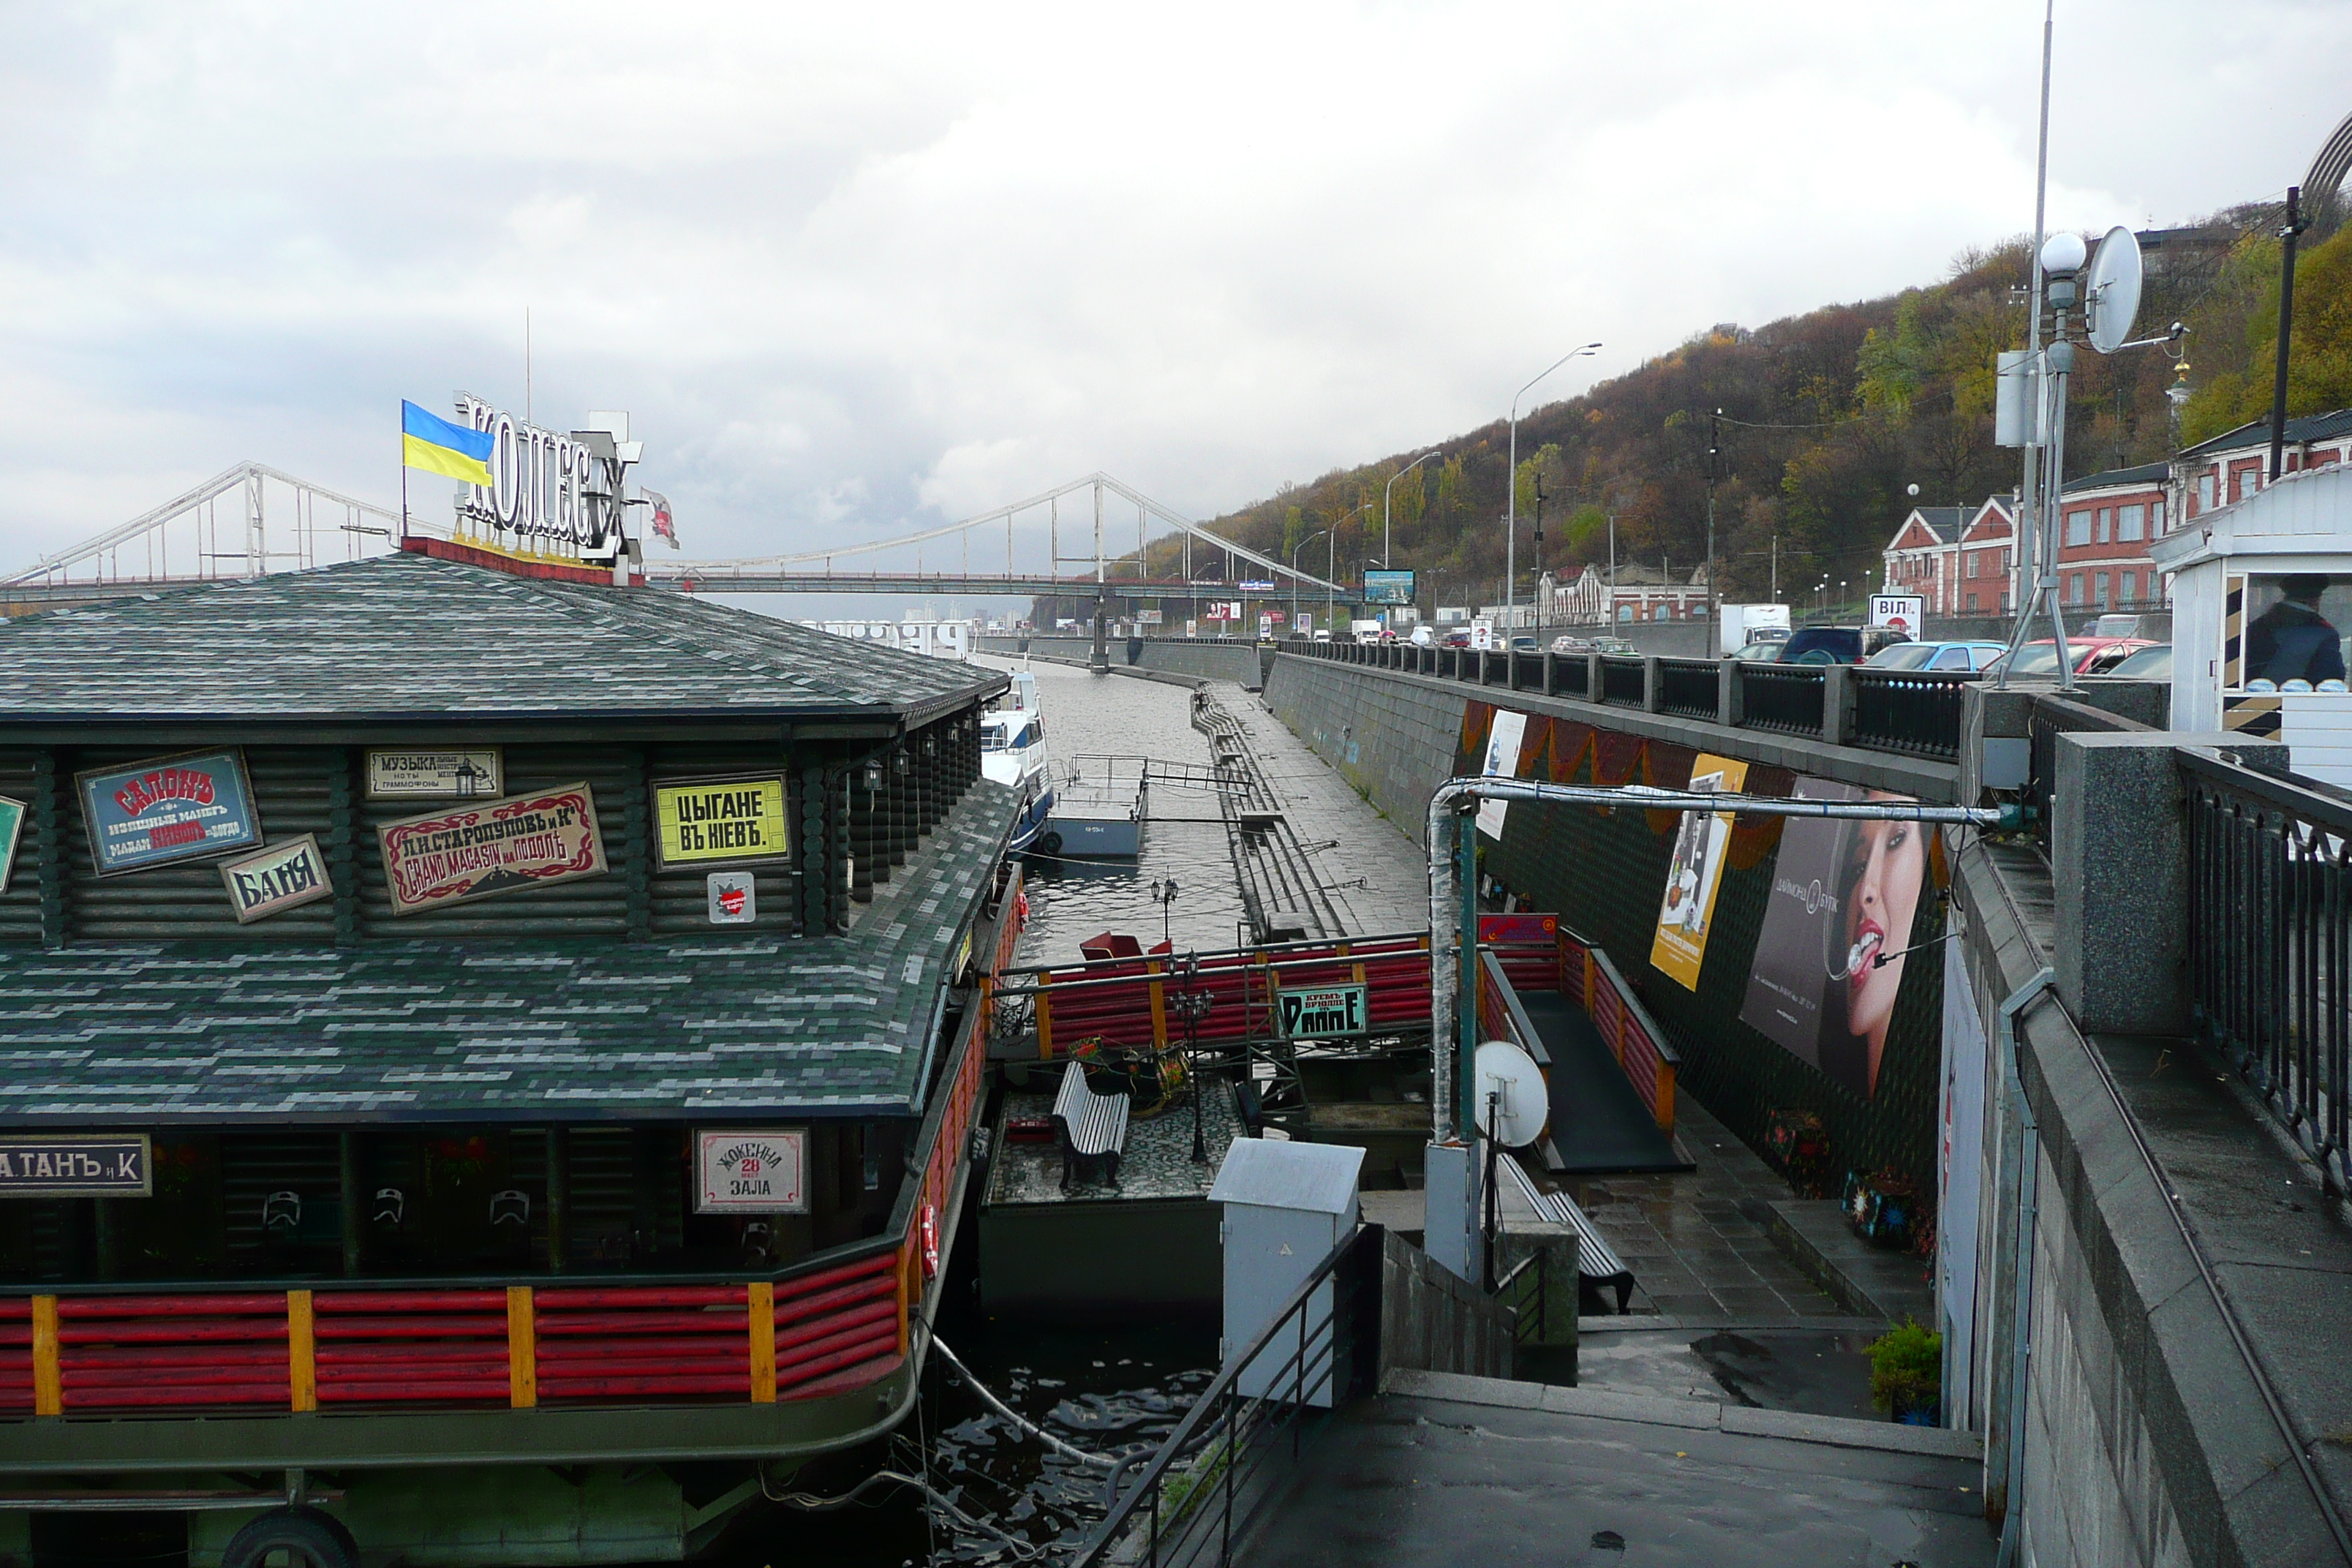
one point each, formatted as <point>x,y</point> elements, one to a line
<point>714,820</point>
<point>1694,875</point>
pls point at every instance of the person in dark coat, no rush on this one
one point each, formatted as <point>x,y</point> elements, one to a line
<point>2292,640</point>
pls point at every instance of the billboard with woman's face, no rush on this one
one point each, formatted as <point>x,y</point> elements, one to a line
<point>1830,960</point>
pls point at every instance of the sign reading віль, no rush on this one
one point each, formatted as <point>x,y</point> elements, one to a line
<point>100,1164</point>
<point>1324,1012</point>
<point>278,878</point>
<point>166,810</point>
<point>434,775</point>
<point>751,1172</point>
<point>500,845</point>
<point>714,820</point>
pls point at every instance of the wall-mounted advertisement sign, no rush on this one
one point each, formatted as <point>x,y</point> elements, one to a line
<point>436,775</point>
<point>1324,1012</point>
<point>713,821</point>
<point>96,1165</point>
<point>751,1173</point>
<point>1504,738</point>
<point>734,898</point>
<point>166,810</point>
<point>1222,610</point>
<point>1845,895</point>
<point>1905,613</point>
<point>278,879</point>
<point>1382,587</point>
<point>1265,627</point>
<point>1695,876</point>
<point>455,856</point>
<point>12,826</point>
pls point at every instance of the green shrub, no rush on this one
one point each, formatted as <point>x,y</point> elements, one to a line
<point>1906,1367</point>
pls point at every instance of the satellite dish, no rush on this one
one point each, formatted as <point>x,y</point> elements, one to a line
<point>1513,1104</point>
<point>2111,290</point>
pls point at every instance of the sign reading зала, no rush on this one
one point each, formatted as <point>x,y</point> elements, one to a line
<point>1324,1012</point>
<point>751,1172</point>
<point>709,821</point>
<point>98,1165</point>
<point>474,851</point>
<point>167,809</point>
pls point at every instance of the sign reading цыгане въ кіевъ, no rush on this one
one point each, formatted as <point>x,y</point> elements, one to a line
<point>167,809</point>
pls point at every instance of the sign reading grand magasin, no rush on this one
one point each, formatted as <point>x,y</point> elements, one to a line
<point>495,847</point>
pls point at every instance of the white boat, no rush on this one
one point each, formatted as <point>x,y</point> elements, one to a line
<point>1013,753</point>
<point>1100,809</point>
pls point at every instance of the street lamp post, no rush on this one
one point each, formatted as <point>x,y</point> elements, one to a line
<point>1293,573</point>
<point>1511,486</point>
<point>1387,547</point>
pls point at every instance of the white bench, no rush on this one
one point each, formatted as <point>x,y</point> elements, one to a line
<point>1093,1127</point>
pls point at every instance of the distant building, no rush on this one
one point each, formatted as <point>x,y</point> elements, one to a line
<point>2232,465</point>
<point>1960,560</point>
<point>2106,522</point>
<point>1641,592</point>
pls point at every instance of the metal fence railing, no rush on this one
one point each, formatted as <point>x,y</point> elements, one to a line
<point>1914,711</point>
<point>1786,697</point>
<point>1230,1459</point>
<point>2270,943</point>
<point>1624,682</point>
<point>2049,718</point>
<point>1691,688</point>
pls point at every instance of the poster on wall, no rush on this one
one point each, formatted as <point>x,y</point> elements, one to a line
<point>436,774</point>
<point>280,878</point>
<point>721,821</point>
<point>751,1172</point>
<point>166,810</point>
<point>12,826</point>
<point>471,852</point>
<point>1503,742</point>
<point>1694,875</point>
<point>1829,959</point>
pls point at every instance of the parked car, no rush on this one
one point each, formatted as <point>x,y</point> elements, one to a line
<point>1524,644</point>
<point>2093,656</point>
<point>1458,637</point>
<point>1760,651</point>
<point>2151,663</point>
<point>1943,655</point>
<point>1571,645</point>
<point>1837,644</point>
<point>1425,636</point>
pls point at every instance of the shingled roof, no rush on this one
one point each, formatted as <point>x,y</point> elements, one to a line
<point>199,1033</point>
<point>406,636</point>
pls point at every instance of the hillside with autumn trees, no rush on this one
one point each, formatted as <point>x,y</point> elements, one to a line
<point>1826,419</point>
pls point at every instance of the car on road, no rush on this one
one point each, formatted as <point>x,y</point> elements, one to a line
<point>1940,656</point>
<point>1524,644</point>
<point>1837,644</point>
<point>2092,656</point>
<point>2151,663</point>
<point>1425,636</point>
<point>1571,645</point>
<point>1760,652</point>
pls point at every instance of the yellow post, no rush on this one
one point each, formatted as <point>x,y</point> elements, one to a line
<point>763,1341</point>
<point>1045,1018</point>
<point>48,1387</point>
<point>522,1349</point>
<point>302,1352</point>
<point>906,1267</point>
<point>1158,1006</point>
<point>1666,1108</point>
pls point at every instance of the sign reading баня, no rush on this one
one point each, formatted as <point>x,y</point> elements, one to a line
<point>713,820</point>
<point>475,851</point>
<point>167,809</point>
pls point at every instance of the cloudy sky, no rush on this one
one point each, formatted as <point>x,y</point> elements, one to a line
<point>859,268</point>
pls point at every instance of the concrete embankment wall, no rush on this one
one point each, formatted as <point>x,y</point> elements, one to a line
<point>1239,662</point>
<point>1393,740</point>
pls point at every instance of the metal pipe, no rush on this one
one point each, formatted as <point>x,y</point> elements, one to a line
<point>2021,1254</point>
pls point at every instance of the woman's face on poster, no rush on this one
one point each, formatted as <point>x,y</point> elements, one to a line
<point>1885,869</point>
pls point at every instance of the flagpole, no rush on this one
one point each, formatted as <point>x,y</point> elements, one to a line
<point>402,541</point>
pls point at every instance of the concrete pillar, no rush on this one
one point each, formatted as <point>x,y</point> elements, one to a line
<point>1592,678</point>
<point>1550,666</point>
<point>1837,704</point>
<point>1653,689</point>
<point>1728,693</point>
<point>2119,871</point>
<point>1100,657</point>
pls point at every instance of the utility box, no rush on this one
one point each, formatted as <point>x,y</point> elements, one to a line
<point>1286,1207</point>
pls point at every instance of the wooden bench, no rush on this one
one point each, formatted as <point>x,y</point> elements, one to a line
<point>1093,1127</point>
<point>1597,1262</point>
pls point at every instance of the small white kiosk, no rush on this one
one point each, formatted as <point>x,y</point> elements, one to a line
<point>1286,1207</point>
<point>2261,606</point>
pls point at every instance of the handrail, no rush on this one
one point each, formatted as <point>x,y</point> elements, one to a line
<point>1302,1369</point>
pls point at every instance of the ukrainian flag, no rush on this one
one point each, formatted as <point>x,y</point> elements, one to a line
<point>430,442</point>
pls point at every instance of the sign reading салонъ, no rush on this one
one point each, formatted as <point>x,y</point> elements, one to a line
<point>714,820</point>
<point>474,851</point>
<point>166,810</point>
<point>751,1172</point>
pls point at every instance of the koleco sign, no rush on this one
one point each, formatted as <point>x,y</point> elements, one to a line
<point>543,483</point>
<point>751,1173</point>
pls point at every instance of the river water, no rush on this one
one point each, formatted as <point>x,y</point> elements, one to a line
<point>1099,1385</point>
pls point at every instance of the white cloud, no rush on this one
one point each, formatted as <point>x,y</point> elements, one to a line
<point>856,268</point>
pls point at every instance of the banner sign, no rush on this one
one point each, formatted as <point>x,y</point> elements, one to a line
<point>751,1173</point>
<point>1514,931</point>
<point>167,810</point>
<point>1324,1012</point>
<point>1695,876</point>
<point>473,852</point>
<point>734,898</point>
<point>1222,610</point>
<point>1844,894</point>
<point>1255,585</point>
<point>99,1165</point>
<point>1265,627</point>
<point>434,775</point>
<point>277,879</point>
<point>1388,587</point>
<point>714,820</point>
<point>12,825</point>
<point>1906,613</point>
<point>1502,740</point>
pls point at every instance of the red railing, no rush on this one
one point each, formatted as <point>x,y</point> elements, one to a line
<point>407,1347</point>
<point>145,1353</point>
